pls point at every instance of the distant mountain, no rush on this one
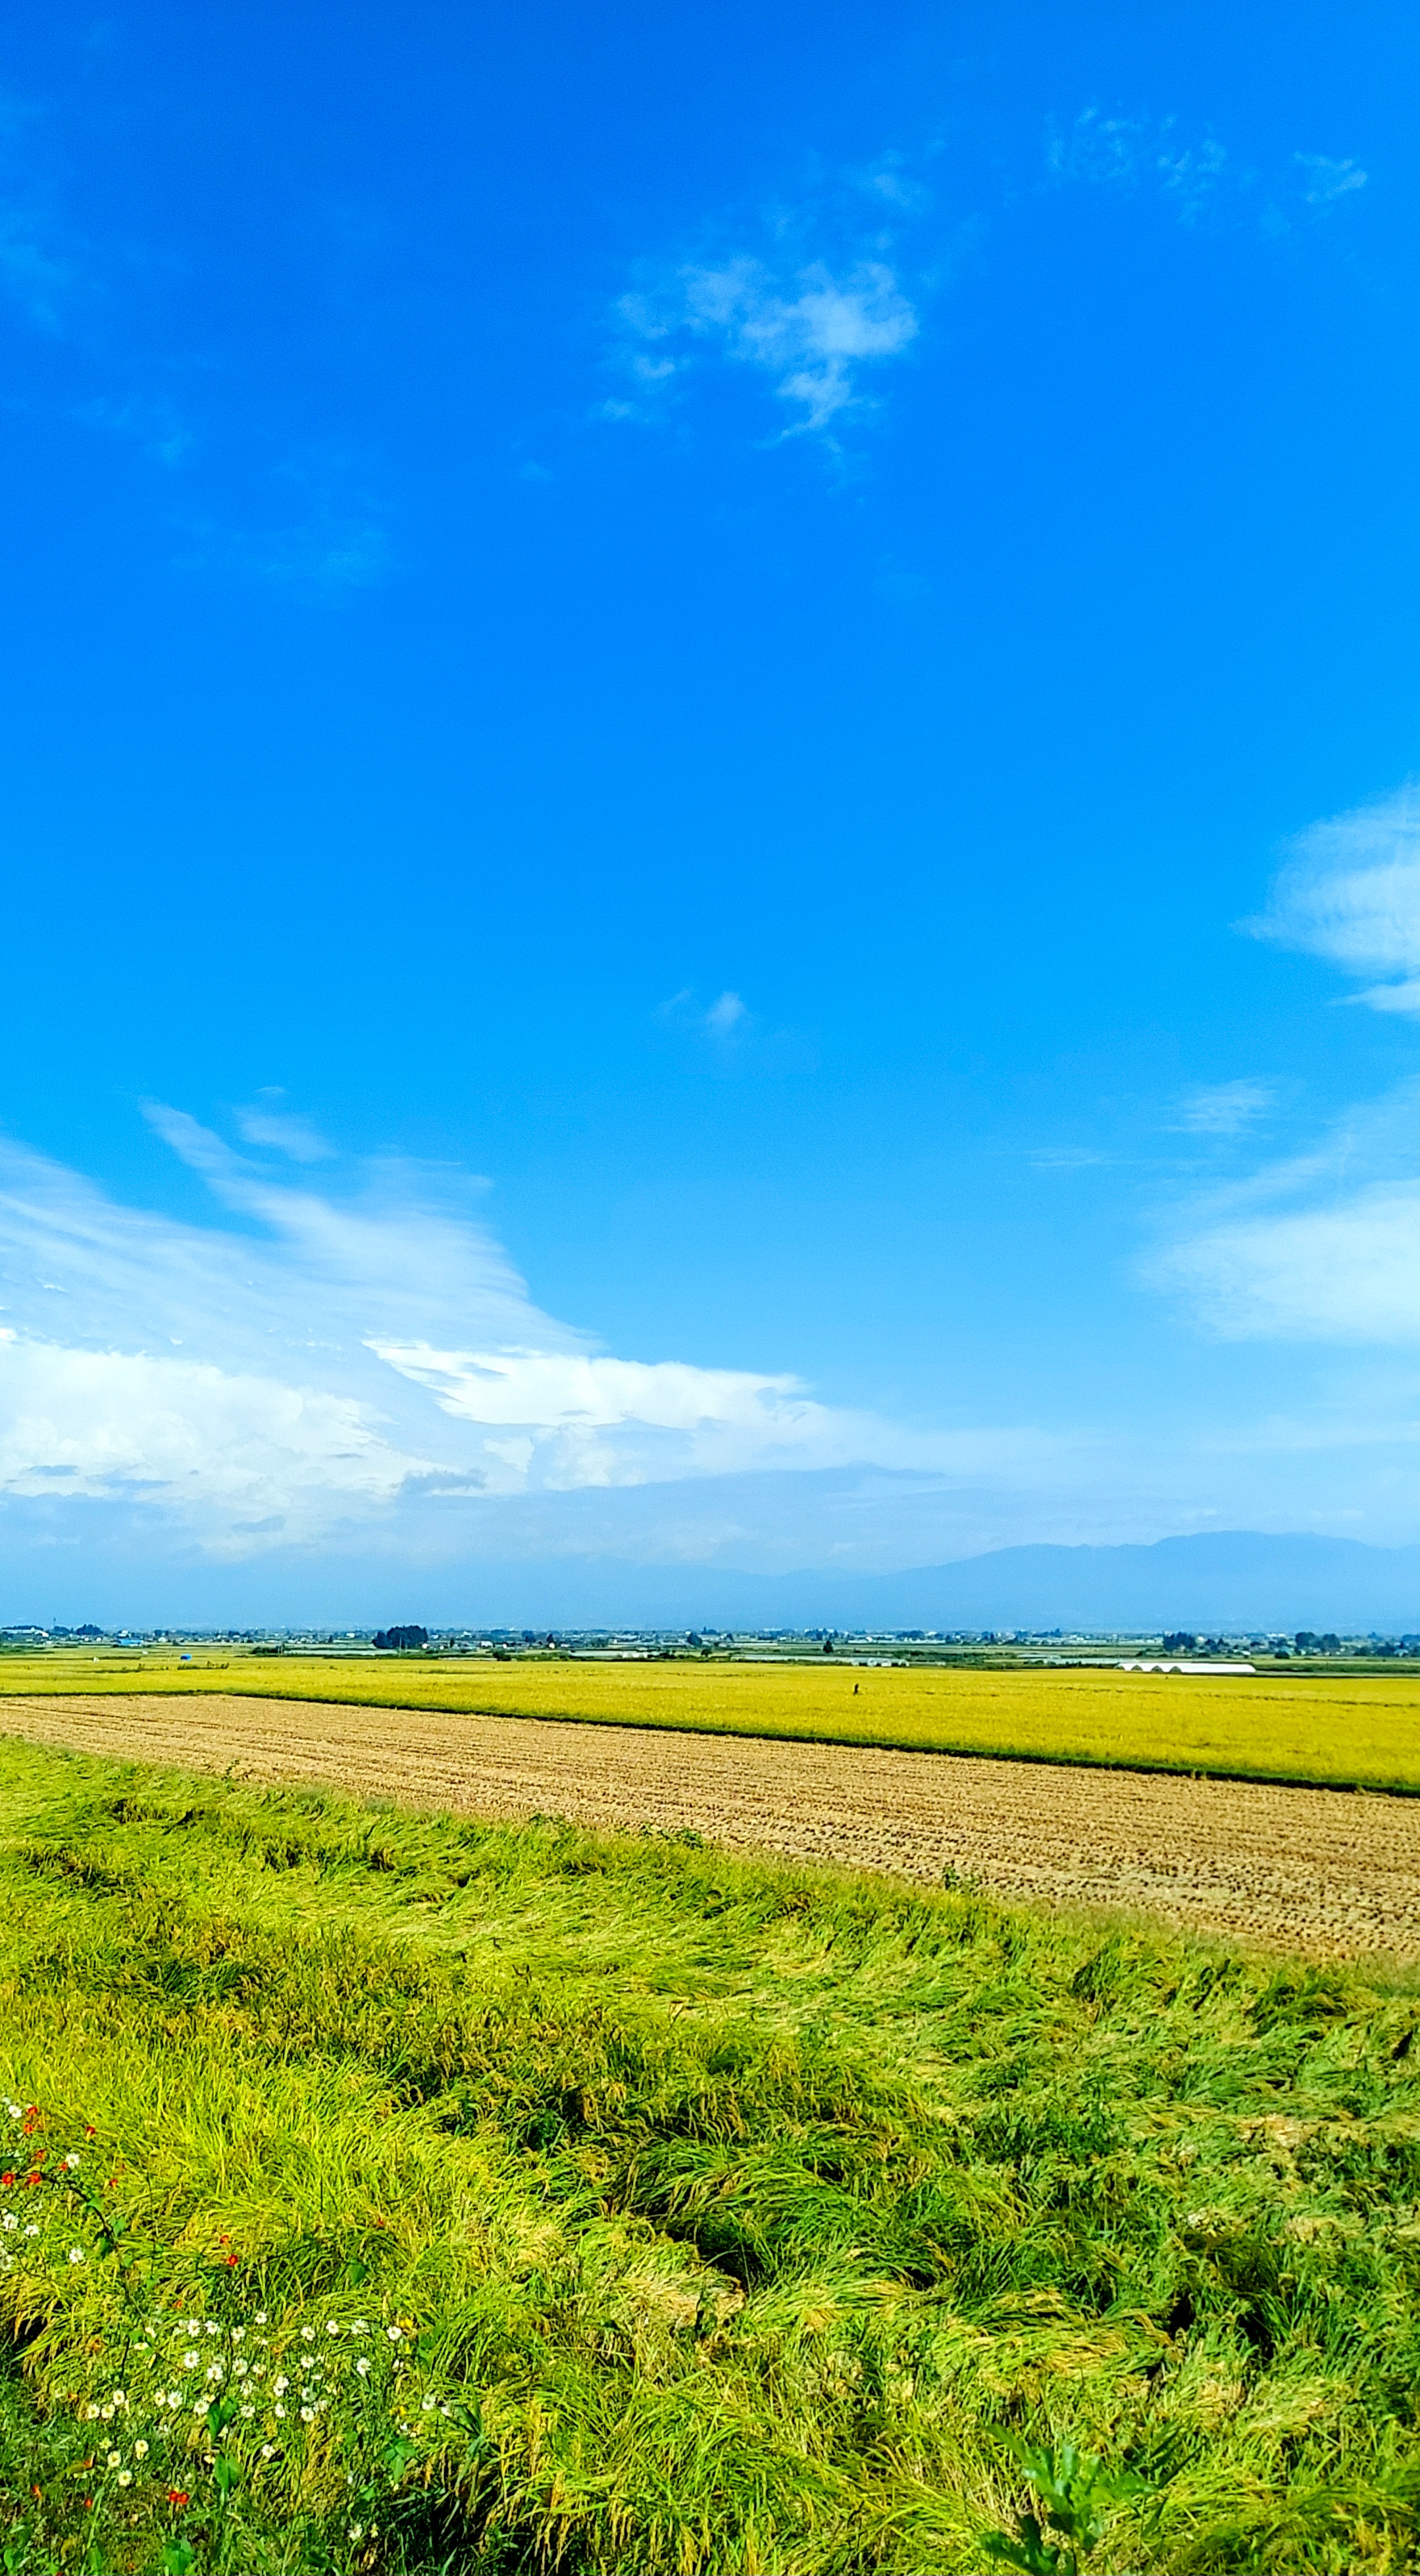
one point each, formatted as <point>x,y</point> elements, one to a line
<point>1243,1580</point>
<point>1229,1579</point>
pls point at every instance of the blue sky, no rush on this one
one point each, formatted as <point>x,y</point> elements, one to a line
<point>705,734</point>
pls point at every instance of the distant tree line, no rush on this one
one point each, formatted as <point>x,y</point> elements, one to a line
<point>397,1637</point>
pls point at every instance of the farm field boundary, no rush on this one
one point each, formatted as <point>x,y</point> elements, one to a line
<point>1331,1874</point>
<point>1323,1732</point>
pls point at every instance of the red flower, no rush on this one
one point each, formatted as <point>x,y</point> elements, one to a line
<point>32,2121</point>
<point>5,2181</point>
<point>177,2495</point>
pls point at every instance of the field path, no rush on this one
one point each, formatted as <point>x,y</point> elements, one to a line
<point>1331,1872</point>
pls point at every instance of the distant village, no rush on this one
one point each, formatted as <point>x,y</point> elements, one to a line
<point>1167,1649</point>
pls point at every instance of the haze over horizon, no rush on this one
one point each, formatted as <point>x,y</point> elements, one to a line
<point>712,862</point>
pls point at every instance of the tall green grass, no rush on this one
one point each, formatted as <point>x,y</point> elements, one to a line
<point>740,2217</point>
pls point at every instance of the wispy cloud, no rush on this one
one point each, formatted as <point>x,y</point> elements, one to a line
<point>1323,1245</point>
<point>1131,152</point>
<point>1343,1272</point>
<point>1125,152</point>
<point>1320,1246</point>
<point>727,1018</point>
<point>811,298</point>
<point>1350,892</point>
<point>1324,180</point>
<point>314,526</point>
<point>1223,1108</point>
<point>41,262</point>
<point>284,1130</point>
<point>811,332</point>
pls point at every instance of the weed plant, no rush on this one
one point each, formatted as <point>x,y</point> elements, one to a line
<point>692,2213</point>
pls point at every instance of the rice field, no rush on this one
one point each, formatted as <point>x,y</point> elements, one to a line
<point>1358,1731</point>
<point>389,2192</point>
<point>1325,1872</point>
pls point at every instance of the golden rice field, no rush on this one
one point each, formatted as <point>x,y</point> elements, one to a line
<point>1330,1730</point>
<point>1333,1874</point>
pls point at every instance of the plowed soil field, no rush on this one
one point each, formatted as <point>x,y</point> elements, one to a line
<point>1329,1872</point>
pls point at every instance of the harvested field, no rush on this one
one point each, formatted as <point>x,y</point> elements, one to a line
<point>1323,1871</point>
<point>1348,1731</point>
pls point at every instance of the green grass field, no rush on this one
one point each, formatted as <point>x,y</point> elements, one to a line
<point>513,2198</point>
<point>1356,1731</point>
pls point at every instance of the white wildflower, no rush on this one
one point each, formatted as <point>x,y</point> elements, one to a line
<point>125,2477</point>
<point>140,2450</point>
<point>363,2365</point>
<point>113,2459</point>
<point>76,2254</point>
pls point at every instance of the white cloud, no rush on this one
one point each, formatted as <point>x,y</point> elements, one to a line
<point>1223,1108</point>
<point>1350,892</point>
<point>669,1419</point>
<point>727,1018</point>
<point>286,1132</point>
<point>725,1015</point>
<point>1345,1272</point>
<point>811,330</point>
<point>242,1452</point>
<point>1325,180</point>
<point>338,1357</point>
<point>1128,151</point>
<point>1321,1246</point>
